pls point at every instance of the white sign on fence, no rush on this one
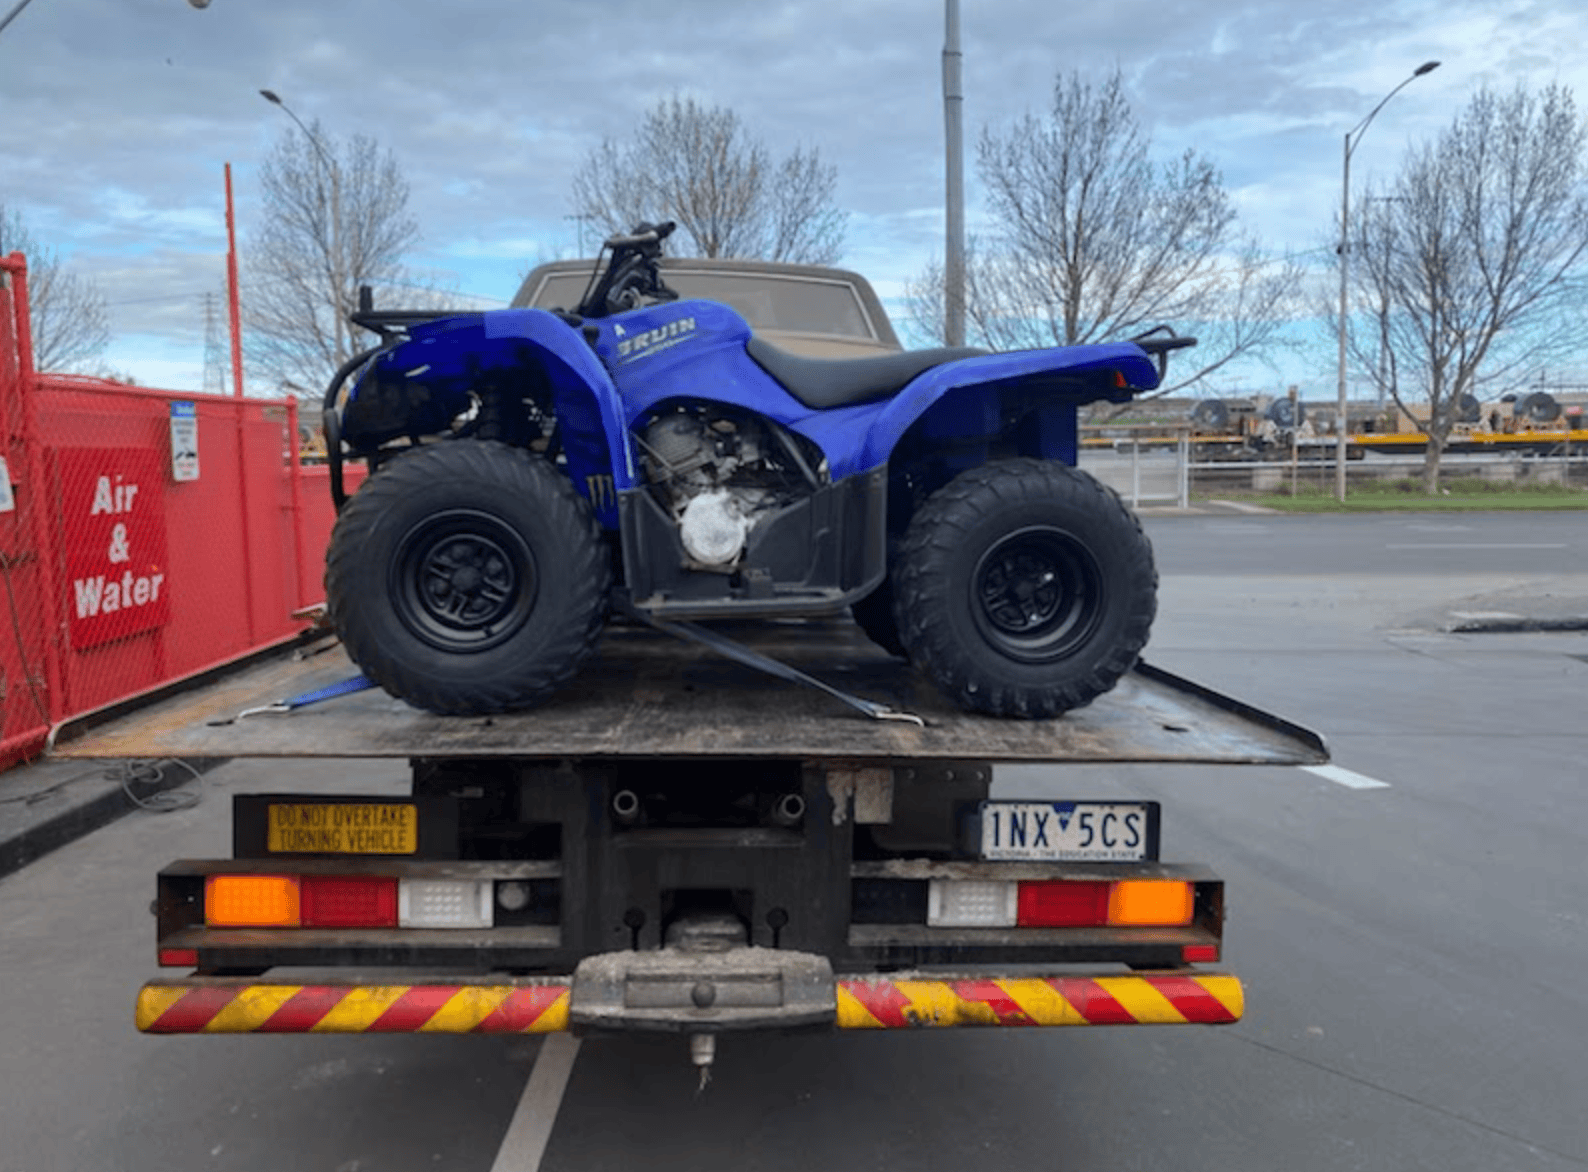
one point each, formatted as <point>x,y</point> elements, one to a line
<point>184,441</point>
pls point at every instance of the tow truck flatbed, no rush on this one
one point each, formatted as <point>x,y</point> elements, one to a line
<point>648,694</point>
<point>679,842</point>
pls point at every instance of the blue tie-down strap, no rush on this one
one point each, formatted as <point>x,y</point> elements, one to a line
<point>345,687</point>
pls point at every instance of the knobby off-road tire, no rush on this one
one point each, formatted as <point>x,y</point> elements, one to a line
<point>1025,588</point>
<point>468,578</point>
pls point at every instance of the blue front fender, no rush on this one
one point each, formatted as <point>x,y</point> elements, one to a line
<point>448,357</point>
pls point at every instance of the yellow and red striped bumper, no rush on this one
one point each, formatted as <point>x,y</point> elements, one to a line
<point>1138,999</point>
<point>201,1005</point>
<point>219,1006</point>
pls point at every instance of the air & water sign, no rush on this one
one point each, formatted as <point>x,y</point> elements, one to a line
<point>114,528</point>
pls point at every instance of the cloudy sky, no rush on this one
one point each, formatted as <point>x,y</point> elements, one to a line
<point>120,114</point>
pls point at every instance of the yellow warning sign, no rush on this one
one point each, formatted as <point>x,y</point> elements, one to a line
<point>343,828</point>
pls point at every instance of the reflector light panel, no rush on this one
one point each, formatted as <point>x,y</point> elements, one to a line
<point>971,903</point>
<point>445,903</point>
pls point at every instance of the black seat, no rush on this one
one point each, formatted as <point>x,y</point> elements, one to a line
<point>823,383</point>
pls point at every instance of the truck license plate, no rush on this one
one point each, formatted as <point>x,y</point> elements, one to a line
<point>342,828</point>
<point>1098,832</point>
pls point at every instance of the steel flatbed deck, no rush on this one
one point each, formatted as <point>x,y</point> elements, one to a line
<point>647,694</point>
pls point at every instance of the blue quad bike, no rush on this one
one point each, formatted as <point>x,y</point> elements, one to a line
<point>534,470</point>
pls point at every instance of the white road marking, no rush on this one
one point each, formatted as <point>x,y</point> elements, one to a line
<point>1478,545</point>
<point>528,1133</point>
<point>1345,777</point>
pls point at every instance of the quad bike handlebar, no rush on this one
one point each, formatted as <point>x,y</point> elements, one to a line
<point>643,235</point>
<point>631,276</point>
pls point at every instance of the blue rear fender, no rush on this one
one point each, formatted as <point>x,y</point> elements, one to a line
<point>967,398</point>
<point>970,394</point>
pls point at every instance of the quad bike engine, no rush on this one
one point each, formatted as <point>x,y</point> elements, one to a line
<point>716,472</point>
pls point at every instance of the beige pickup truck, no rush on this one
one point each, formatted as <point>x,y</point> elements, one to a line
<point>806,309</point>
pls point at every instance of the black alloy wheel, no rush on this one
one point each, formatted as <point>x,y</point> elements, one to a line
<point>1039,595</point>
<point>463,581</point>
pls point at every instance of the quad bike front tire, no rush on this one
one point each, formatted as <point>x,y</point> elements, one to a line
<point>1025,588</point>
<point>468,578</point>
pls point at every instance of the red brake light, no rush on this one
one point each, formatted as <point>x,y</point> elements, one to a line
<point>349,902</point>
<point>1060,904</point>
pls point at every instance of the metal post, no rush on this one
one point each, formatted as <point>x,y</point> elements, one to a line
<point>1135,472</point>
<point>1183,455</point>
<point>1345,260</point>
<point>1295,441</point>
<point>954,197</point>
<point>233,302</point>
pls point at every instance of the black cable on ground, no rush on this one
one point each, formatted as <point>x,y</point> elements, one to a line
<point>165,799</point>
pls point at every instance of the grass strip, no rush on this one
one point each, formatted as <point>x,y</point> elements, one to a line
<point>1456,495</point>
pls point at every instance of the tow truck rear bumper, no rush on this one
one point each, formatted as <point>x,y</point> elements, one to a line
<point>649,992</point>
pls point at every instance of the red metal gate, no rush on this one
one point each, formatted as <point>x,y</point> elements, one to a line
<point>145,535</point>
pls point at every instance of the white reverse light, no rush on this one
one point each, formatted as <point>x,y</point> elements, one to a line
<point>966,903</point>
<point>444,903</point>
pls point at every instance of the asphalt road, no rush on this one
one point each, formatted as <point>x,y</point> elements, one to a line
<point>1410,948</point>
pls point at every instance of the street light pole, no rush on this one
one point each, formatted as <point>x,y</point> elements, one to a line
<point>1356,133</point>
<point>954,166</point>
<point>338,280</point>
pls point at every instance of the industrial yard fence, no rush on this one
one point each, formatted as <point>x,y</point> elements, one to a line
<point>1166,474</point>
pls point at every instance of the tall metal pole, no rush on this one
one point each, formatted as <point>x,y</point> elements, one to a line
<point>1356,133</point>
<point>233,302</point>
<point>1340,428</point>
<point>954,197</point>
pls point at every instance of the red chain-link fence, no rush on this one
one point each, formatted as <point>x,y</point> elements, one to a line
<point>145,535</point>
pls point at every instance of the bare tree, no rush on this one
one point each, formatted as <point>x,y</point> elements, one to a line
<point>1091,240</point>
<point>698,165</point>
<point>1472,261</point>
<point>335,217</point>
<point>68,317</point>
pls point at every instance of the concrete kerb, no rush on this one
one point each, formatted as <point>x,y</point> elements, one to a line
<point>48,803</point>
<point>1510,623</point>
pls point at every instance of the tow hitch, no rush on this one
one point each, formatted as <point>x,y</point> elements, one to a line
<point>706,981</point>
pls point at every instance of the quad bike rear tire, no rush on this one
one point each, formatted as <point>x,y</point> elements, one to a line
<point>468,578</point>
<point>1025,589</point>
